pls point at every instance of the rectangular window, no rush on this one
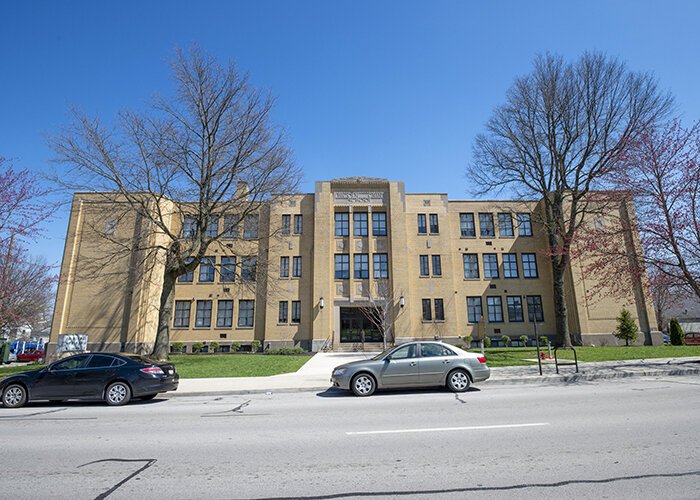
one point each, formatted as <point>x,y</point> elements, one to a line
<point>203,315</point>
<point>434,226</point>
<point>361,266</point>
<point>515,309</point>
<point>286,224</point>
<point>494,309</point>
<point>282,317</point>
<point>381,265</point>
<point>296,267</point>
<point>182,314</point>
<point>427,311</point>
<point>250,227</point>
<point>490,266</point>
<point>342,266</point>
<point>359,224</point>
<point>486,226</point>
<point>206,270</point>
<point>187,277</point>
<point>510,265</point>
<point>466,225</point>
<point>471,266</point>
<point>284,267</point>
<point>529,265</point>
<point>212,227</point>
<point>224,314</point>
<point>437,266</point>
<point>228,270</point>
<point>422,224</point>
<point>246,308</point>
<point>439,310</point>
<point>424,265</point>
<point>473,309</point>
<point>524,224</point>
<point>298,224</point>
<point>230,227</point>
<point>189,227</point>
<point>534,308</point>
<point>378,223</point>
<point>342,224</point>
<point>249,268</point>
<point>505,225</point>
<point>296,311</point>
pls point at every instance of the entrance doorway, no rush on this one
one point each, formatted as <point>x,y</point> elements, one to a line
<point>354,325</point>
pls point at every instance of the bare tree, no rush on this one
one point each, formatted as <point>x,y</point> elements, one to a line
<point>381,310</point>
<point>206,154</point>
<point>563,127</point>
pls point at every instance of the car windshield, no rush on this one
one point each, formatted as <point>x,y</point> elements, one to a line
<point>381,355</point>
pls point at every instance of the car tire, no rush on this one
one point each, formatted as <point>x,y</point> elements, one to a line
<point>148,397</point>
<point>458,381</point>
<point>363,384</point>
<point>14,396</point>
<point>118,394</point>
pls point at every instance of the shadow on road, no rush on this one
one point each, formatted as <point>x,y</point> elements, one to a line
<point>94,403</point>
<point>333,392</point>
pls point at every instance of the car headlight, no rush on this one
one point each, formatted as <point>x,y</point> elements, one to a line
<point>339,371</point>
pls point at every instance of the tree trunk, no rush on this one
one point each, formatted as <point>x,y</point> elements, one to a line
<point>165,313</point>
<point>560,310</point>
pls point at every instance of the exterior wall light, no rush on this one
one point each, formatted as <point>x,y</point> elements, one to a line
<point>402,301</point>
<point>321,303</point>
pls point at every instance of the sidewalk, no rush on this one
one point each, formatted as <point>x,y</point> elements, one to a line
<point>315,375</point>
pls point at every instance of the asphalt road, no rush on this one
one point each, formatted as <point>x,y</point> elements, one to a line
<point>613,439</point>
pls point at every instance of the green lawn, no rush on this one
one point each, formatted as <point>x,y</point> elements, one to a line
<point>236,365</point>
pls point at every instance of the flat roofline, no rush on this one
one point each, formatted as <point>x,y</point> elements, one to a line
<point>493,201</point>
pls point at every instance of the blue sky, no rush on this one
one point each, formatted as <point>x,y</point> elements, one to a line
<point>385,89</point>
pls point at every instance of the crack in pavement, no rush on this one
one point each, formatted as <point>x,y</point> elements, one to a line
<point>238,410</point>
<point>460,399</point>
<point>17,417</point>
<point>149,462</point>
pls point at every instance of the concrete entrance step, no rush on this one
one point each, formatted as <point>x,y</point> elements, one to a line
<point>359,347</point>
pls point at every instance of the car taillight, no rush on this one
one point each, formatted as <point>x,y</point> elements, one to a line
<point>482,359</point>
<point>153,370</point>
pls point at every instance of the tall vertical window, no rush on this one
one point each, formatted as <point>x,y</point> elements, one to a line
<point>187,277</point>
<point>342,224</point>
<point>250,227</point>
<point>486,225</point>
<point>342,266</point>
<point>296,311</point>
<point>490,266</point>
<point>466,225</point>
<point>515,309</point>
<point>224,314</point>
<point>437,266</point>
<point>422,224</point>
<point>286,224</point>
<point>283,312</point>
<point>529,265</point>
<point>182,314</point>
<point>524,224</point>
<point>510,265</point>
<point>439,310</point>
<point>534,308</point>
<point>434,226</point>
<point>249,268</point>
<point>298,224</point>
<point>361,266</point>
<point>296,267</point>
<point>505,225</point>
<point>189,227</point>
<point>203,315</point>
<point>378,223</point>
<point>494,309</point>
<point>284,267</point>
<point>206,270</point>
<point>381,265</point>
<point>474,309</point>
<point>212,227</point>
<point>230,227</point>
<point>228,270</point>
<point>359,224</point>
<point>471,266</point>
<point>427,310</point>
<point>424,265</point>
<point>246,309</point>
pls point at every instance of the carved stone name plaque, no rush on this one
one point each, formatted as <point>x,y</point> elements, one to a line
<point>358,197</point>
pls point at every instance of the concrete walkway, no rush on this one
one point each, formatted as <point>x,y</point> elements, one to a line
<point>315,375</point>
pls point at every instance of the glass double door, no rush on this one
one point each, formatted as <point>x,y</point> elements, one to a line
<point>356,328</point>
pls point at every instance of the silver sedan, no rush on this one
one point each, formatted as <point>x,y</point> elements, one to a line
<point>414,364</point>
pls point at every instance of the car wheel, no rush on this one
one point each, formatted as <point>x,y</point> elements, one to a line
<point>149,397</point>
<point>117,394</point>
<point>458,381</point>
<point>14,396</point>
<point>363,384</point>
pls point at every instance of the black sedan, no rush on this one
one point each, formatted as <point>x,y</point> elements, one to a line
<point>114,378</point>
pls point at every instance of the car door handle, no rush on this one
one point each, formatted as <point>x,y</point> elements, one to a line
<point>412,363</point>
<point>446,362</point>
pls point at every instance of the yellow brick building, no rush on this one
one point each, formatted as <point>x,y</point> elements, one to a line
<point>435,266</point>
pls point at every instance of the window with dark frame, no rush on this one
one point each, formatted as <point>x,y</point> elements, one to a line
<point>286,224</point>
<point>182,314</point>
<point>534,308</point>
<point>249,268</point>
<point>474,312</point>
<point>206,270</point>
<point>228,270</point>
<point>212,227</point>
<point>466,225</point>
<point>246,310</point>
<point>189,227</point>
<point>283,312</point>
<point>203,314</point>
<point>296,311</point>
<point>515,309</point>
<point>224,314</point>
<point>524,224</point>
<point>437,265</point>
<point>505,225</point>
<point>342,266</point>
<point>296,267</point>
<point>424,265</point>
<point>471,266</point>
<point>230,231</point>
<point>486,229</point>
<point>427,310</point>
<point>250,227</point>
<point>284,267</point>
<point>529,261</point>
<point>359,224</point>
<point>342,224</point>
<point>379,224</point>
<point>494,309</point>
<point>490,266</point>
<point>422,224</point>
<point>439,310</point>
<point>381,265</point>
<point>434,225</point>
<point>189,276</point>
<point>510,265</point>
<point>298,224</point>
<point>361,266</point>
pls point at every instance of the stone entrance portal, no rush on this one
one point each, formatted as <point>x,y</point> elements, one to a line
<point>354,325</point>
